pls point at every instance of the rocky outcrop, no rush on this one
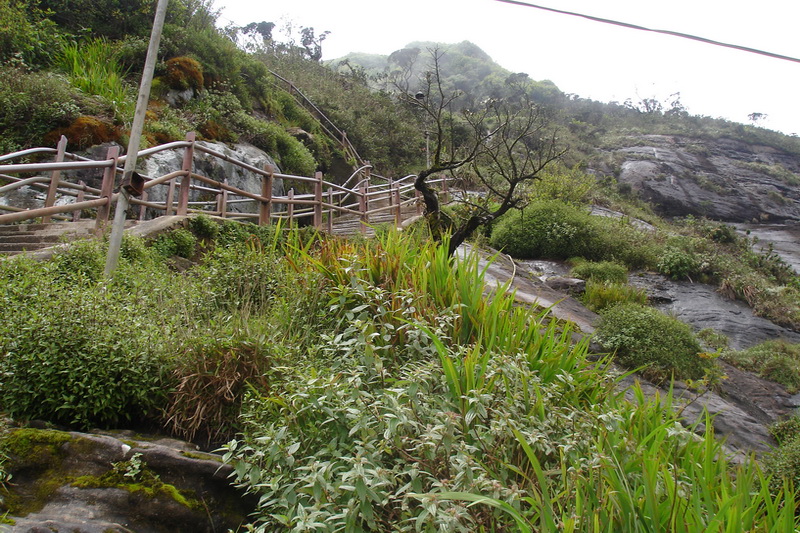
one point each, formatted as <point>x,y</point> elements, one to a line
<point>92,483</point>
<point>721,179</point>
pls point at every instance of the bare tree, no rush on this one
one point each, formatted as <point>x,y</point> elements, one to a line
<point>504,142</point>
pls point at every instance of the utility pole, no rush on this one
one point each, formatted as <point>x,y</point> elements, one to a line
<point>123,201</point>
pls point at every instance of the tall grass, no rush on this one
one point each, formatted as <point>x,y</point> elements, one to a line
<point>94,68</point>
<point>498,423</point>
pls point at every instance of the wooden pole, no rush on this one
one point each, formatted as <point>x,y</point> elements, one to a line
<point>290,209</point>
<point>76,215</point>
<point>115,240</point>
<point>106,191</point>
<point>170,197</point>
<point>398,213</point>
<point>54,177</point>
<point>362,206</point>
<point>143,208</point>
<point>222,200</point>
<point>330,213</point>
<point>265,211</point>
<point>318,200</point>
<point>186,167</point>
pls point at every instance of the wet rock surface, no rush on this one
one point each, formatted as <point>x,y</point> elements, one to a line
<point>701,306</point>
<point>742,408</point>
<point>722,179</point>
<point>77,483</point>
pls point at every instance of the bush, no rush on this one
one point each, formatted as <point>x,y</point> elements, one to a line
<point>183,73</point>
<point>548,229</point>
<point>643,336</point>
<point>558,182</point>
<point>602,294</point>
<point>180,242</point>
<point>32,104</point>
<point>776,360</point>
<point>678,264</point>
<point>212,375</point>
<point>26,35</point>
<point>601,271</point>
<point>784,464</point>
<point>71,356</point>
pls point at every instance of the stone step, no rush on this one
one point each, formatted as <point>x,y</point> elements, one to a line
<point>19,247</point>
<point>32,237</point>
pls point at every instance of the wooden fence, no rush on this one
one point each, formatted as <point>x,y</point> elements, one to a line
<point>363,195</point>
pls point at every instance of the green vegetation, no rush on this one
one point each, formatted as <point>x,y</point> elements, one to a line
<point>370,385</point>
<point>775,360</point>
<point>378,389</point>
<point>644,337</point>
<point>602,294</point>
<point>603,271</point>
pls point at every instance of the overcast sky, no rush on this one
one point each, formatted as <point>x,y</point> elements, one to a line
<point>591,59</point>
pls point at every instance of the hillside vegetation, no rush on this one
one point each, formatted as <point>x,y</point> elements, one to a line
<point>376,388</point>
<point>362,385</point>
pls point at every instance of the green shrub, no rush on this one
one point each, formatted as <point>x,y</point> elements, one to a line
<point>27,36</point>
<point>94,68</point>
<point>602,294</point>
<point>644,337</point>
<point>239,279</point>
<point>213,372</point>
<point>713,340</point>
<point>786,430</point>
<point>678,264</point>
<point>72,356</point>
<point>776,360</point>
<point>204,228</point>
<point>601,271</point>
<point>548,229</point>
<point>82,261</point>
<point>558,182</point>
<point>180,242</point>
<point>783,464</point>
<point>32,104</point>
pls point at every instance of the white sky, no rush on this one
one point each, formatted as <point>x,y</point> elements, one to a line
<point>593,60</point>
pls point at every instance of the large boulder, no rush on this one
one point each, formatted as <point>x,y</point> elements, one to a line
<point>95,483</point>
<point>722,179</point>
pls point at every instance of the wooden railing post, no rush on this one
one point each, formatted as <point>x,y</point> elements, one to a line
<point>186,167</point>
<point>107,190</point>
<point>222,200</point>
<point>390,191</point>
<point>330,213</point>
<point>398,213</point>
<point>418,197</point>
<point>318,200</point>
<point>50,200</point>
<point>76,215</point>
<point>170,197</point>
<point>265,208</point>
<point>290,208</point>
<point>367,176</point>
<point>143,208</point>
<point>362,206</point>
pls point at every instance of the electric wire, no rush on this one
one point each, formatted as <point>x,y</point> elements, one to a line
<point>664,32</point>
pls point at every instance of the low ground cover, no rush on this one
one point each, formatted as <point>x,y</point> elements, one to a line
<point>377,389</point>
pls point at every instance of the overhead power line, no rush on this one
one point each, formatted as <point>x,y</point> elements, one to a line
<point>665,32</point>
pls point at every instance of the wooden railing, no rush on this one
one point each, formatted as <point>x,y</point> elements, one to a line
<point>363,195</point>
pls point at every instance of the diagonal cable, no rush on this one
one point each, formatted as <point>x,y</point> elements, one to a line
<point>664,32</point>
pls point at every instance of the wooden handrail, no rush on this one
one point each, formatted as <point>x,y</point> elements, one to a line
<point>325,202</point>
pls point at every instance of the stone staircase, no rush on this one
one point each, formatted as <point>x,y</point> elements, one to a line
<point>18,238</point>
